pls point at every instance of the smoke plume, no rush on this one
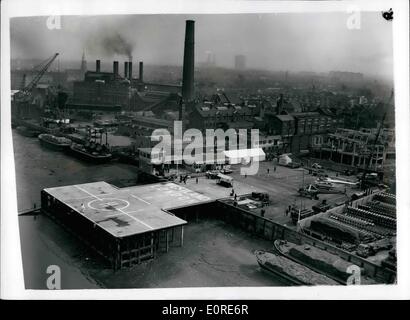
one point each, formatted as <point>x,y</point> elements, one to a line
<point>110,45</point>
<point>116,44</point>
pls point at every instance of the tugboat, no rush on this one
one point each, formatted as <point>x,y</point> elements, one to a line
<point>54,142</point>
<point>91,152</point>
<point>290,271</point>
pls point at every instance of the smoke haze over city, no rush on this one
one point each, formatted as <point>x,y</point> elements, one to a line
<point>294,42</point>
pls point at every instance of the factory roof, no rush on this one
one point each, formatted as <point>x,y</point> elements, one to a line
<point>128,211</point>
<point>305,114</point>
<point>209,109</point>
<point>154,121</point>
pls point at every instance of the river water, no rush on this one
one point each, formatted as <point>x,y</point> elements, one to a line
<point>44,243</point>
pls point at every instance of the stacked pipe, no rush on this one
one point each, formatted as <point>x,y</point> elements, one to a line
<point>378,219</point>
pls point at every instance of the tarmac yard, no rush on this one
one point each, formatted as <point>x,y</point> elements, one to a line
<point>215,255</point>
<point>282,186</point>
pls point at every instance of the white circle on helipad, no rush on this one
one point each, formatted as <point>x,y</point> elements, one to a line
<point>108,204</point>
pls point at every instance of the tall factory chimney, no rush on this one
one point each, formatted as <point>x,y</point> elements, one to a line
<point>115,68</point>
<point>279,104</point>
<point>97,66</point>
<point>126,69</point>
<point>141,72</point>
<point>188,68</point>
<point>130,70</point>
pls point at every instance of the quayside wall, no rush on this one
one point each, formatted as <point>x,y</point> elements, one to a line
<point>270,230</point>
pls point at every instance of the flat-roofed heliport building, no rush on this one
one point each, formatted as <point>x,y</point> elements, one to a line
<point>125,225</point>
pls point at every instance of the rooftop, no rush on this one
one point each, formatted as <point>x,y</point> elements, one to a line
<point>128,211</point>
<point>285,117</point>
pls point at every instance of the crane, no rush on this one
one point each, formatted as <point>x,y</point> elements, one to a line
<point>25,92</point>
<point>374,144</point>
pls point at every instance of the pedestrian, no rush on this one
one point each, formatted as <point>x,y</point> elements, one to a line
<point>286,212</point>
<point>290,208</point>
<point>82,207</point>
<point>196,180</point>
<point>246,175</point>
<point>235,197</point>
<point>268,170</point>
<point>274,168</point>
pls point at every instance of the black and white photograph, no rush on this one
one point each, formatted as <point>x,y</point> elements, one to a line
<point>203,149</point>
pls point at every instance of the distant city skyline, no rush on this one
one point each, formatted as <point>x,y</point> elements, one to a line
<point>318,42</point>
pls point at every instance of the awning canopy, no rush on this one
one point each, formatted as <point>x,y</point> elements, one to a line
<point>236,156</point>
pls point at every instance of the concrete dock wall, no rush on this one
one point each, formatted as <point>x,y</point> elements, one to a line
<point>271,231</point>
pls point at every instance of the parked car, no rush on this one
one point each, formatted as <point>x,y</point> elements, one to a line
<point>309,191</point>
<point>212,174</point>
<point>317,166</point>
<point>224,180</point>
<point>294,165</point>
<point>226,171</point>
<point>317,172</point>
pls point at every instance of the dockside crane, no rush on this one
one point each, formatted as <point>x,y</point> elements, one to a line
<point>43,67</point>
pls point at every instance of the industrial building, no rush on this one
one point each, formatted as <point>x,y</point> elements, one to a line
<point>126,226</point>
<point>240,62</point>
<point>102,91</point>
<point>354,147</point>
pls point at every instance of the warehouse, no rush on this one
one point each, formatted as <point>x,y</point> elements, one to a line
<point>126,226</point>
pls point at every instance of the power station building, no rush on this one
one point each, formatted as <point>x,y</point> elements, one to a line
<point>102,91</point>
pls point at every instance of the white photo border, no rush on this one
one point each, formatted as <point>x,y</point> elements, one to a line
<point>12,282</point>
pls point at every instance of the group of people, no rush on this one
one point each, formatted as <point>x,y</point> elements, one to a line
<point>288,210</point>
<point>184,178</point>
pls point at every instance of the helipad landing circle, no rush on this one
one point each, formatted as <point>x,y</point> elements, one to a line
<point>108,204</point>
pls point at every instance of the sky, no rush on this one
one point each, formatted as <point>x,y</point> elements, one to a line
<point>319,42</point>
